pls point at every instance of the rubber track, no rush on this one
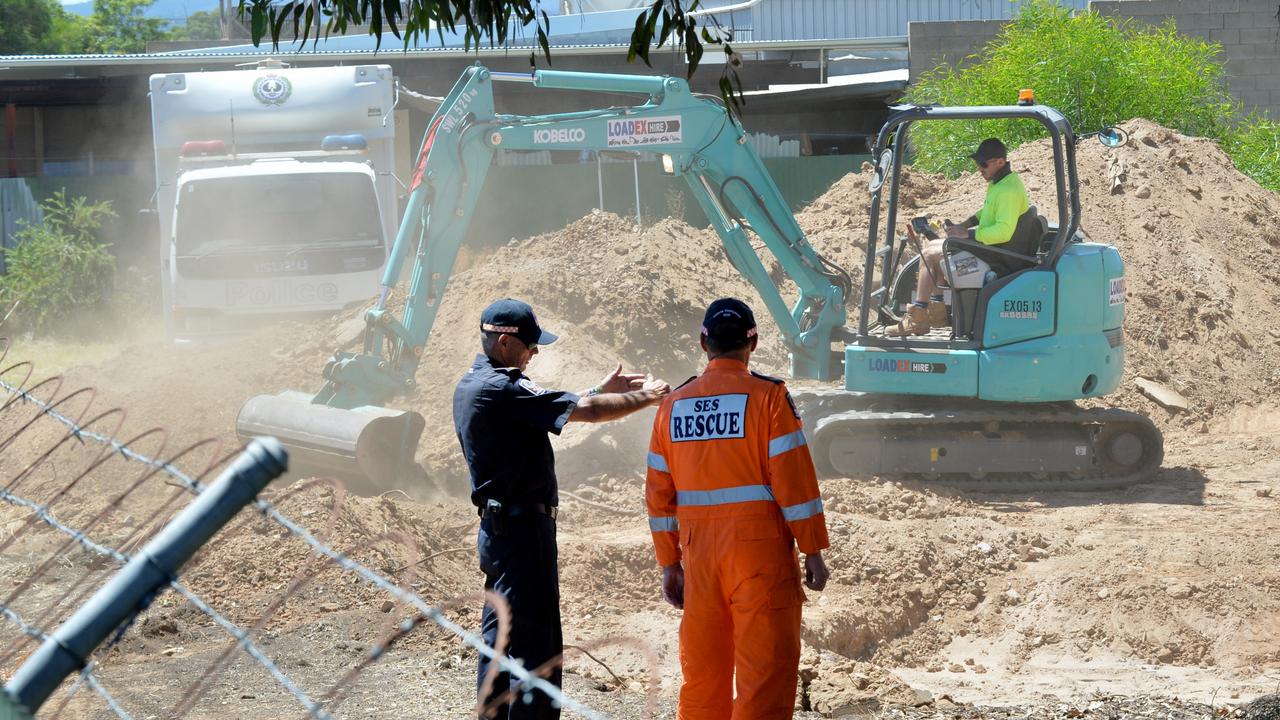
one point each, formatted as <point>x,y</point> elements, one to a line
<point>1019,482</point>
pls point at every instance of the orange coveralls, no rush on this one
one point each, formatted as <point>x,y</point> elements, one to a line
<point>730,486</point>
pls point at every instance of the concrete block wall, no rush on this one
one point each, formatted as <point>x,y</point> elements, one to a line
<point>1248,30</point>
<point>933,43</point>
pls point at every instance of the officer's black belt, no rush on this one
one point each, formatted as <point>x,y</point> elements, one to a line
<point>521,509</point>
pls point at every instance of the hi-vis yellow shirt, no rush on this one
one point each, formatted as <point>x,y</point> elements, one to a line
<point>729,443</point>
<point>1005,202</point>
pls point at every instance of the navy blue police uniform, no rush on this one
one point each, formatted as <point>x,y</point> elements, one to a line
<point>503,420</point>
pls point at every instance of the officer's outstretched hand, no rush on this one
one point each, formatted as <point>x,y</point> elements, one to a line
<point>656,386</point>
<point>815,572</point>
<point>673,585</point>
<point>618,381</point>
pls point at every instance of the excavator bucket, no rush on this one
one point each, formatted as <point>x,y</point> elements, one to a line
<point>370,447</point>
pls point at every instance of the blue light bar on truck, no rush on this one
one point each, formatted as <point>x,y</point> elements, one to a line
<point>354,141</point>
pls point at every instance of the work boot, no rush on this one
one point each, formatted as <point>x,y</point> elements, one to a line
<point>938,314</point>
<point>916,322</point>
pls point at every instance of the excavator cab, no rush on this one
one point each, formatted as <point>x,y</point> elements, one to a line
<point>1036,324</point>
<point>1011,305</point>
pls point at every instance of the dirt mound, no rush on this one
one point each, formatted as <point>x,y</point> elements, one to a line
<point>1201,247</point>
<point>613,295</point>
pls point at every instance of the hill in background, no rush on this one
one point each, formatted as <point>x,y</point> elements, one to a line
<point>175,12</point>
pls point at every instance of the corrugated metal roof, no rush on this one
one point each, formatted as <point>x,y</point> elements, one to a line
<point>804,19</point>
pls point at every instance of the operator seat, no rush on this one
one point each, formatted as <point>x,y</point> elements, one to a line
<point>1027,234</point>
<point>973,268</point>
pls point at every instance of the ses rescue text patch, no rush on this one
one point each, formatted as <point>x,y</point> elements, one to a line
<point>715,417</point>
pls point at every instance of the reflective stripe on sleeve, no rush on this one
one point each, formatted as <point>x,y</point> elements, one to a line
<point>790,441</point>
<point>724,496</point>
<point>792,513</point>
<point>657,462</point>
<point>664,524</point>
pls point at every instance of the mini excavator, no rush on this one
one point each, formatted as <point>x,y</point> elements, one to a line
<point>989,402</point>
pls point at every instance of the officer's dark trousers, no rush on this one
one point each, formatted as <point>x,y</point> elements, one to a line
<point>520,564</point>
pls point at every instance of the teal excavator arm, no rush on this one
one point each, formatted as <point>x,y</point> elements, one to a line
<point>699,140</point>
<point>345,429</point>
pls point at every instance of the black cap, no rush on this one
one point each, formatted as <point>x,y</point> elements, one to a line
<point>512,317</point>
<point>729,319</point>
<point>989,149</point>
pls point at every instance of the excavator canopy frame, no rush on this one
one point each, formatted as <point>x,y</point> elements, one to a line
<point>887,151</point>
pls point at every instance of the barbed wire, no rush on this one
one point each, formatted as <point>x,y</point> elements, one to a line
<point>86,675</point>
<point>83,432</point>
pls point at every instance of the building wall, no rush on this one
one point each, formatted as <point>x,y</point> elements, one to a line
<point>1248,30</point>
<point>930,44</point>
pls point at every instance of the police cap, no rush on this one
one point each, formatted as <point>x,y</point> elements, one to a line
<point>513,317</point>
<point>729,319</point>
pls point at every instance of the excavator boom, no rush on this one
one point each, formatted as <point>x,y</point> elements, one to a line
<point>346,429</point>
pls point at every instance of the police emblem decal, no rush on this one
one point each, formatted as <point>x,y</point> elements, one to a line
<point>531,386</point>
<point>272,89</point>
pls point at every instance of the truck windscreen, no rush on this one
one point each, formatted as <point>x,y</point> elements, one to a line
<point>295,211</point>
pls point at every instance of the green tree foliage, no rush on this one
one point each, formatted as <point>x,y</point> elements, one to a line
<point>42,26</point>
<point>491,21</point>
<point>119,26</point>
<point>59,271</point>
<point>203,25</point>
<point>26,25</point>
<point>1255,148</point>
<point>1096,70</point>
<point>71,33</point>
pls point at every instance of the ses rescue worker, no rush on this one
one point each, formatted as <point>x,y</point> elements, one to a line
<point>502,419</point>
<point>731,492</point>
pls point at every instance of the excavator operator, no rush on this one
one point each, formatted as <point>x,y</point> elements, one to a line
<point>731,491</point>
<point>993,224</point>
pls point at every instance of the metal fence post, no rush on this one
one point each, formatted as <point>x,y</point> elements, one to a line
<point>132,589</point>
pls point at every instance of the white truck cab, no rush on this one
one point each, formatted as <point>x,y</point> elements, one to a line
<point>275,191</point>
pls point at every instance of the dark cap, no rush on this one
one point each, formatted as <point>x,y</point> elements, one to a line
<point>989,149</point>
<point>512,317</point>
<point>729,319</point>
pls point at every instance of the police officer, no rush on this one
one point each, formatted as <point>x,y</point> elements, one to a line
<point>732,492</point>
<point>502,419</point>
